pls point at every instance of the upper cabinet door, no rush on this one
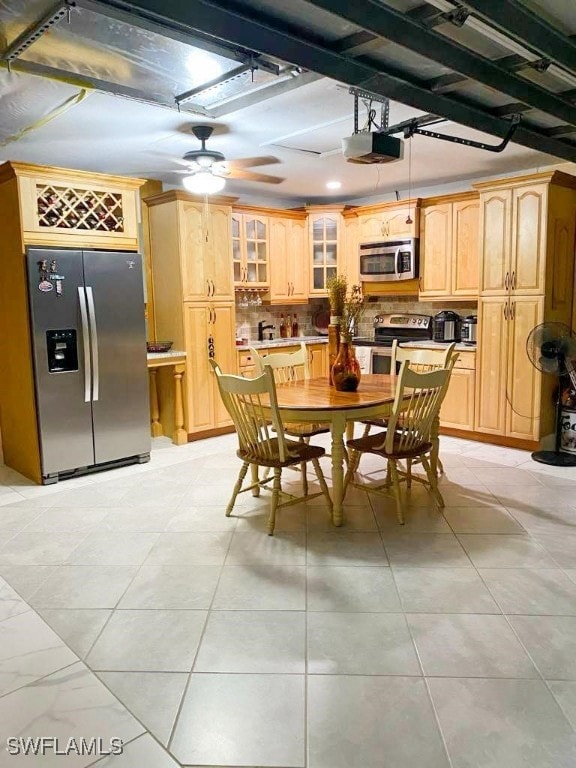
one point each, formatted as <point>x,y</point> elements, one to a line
<point>388,224</point>
<point>495,225</point>
<point>436,250</point>
<point>256,250</point>
<point>205,251</point>
<point>465,263</point>
<point>324,232</point>
<point>195,268</point>
<point>298,259</point>
<point>528,261</point>
<point>250,250</point>
<point>218,252</point>
<point>279,255</point>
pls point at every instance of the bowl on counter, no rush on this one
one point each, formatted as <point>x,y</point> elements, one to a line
<point>158,346</point>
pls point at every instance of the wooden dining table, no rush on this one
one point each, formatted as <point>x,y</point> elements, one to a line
<point>315,401</point>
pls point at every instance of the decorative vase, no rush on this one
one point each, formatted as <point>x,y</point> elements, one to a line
<point>346,369</point>
<point>333,343</point>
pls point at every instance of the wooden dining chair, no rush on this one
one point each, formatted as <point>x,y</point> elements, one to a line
<point>253,407</point>
<point>408,434</point>
<point>421,360</point>
<point>286,367</point>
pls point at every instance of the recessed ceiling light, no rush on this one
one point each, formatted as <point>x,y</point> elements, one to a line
<point>333,184</point>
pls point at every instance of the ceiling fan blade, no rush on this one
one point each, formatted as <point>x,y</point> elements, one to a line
<point>252,162</point>
<point>238,173</point>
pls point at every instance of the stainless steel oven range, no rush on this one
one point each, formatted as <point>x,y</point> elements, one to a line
<point>387,327</point>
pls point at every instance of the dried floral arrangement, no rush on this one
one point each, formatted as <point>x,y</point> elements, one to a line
<point>337,289</point>
<point>352,313</point>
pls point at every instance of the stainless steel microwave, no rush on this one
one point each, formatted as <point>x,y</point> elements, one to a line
<point>389,260</point>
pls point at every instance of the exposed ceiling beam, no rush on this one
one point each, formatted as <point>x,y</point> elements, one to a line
<point>358,42</point>
<point>402,30</point>
<point>269,36</point>
<point>521,23</point>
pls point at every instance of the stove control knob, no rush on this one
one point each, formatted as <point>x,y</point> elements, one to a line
<point>420,321</point>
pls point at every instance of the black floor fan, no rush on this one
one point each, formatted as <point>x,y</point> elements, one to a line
<point>551,348</point>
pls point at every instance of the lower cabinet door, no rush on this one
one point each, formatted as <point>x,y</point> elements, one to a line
<point>223,332</point>
<point>458,407</point>
<point>523,387</point>
<point>209,330</point>
<point>492,365</point>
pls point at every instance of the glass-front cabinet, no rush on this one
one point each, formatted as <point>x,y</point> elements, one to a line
<point>324,243</point>
<point>250,250</point>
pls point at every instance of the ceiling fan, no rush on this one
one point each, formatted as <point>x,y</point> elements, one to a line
<point>207,169</point>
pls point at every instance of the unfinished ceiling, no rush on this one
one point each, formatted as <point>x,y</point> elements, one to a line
<point>258,71</point>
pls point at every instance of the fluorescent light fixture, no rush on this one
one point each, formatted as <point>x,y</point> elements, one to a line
<point>202,66</point>
<point>204,183</point>
<point>333,184</point>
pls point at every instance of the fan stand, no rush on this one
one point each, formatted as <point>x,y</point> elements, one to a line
<point>557,458</point>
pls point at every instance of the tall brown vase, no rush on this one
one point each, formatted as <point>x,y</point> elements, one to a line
<point>346,369</point>
<point>333,344</point>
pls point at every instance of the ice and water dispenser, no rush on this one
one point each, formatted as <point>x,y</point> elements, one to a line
<point>62,350</point>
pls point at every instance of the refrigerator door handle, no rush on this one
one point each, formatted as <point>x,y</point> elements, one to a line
<point>86,343</point>
<point>94,340</point>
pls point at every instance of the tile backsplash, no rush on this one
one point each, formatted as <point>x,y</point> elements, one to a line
<point>247,319</point>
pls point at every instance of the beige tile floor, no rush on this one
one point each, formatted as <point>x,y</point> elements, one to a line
<point>131,607</point>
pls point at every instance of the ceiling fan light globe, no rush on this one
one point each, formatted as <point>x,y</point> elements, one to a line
<point>203,183</point>
<point>204,161</point>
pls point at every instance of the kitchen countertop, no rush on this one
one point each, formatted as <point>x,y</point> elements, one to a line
<point>165,355</point>
<point>429,344</point>
<point>266,344</point>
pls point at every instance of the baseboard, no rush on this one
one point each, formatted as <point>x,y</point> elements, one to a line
<point>481,437</point>
<point>210,433</point>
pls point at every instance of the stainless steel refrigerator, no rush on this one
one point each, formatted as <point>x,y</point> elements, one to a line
<point>89,347</point>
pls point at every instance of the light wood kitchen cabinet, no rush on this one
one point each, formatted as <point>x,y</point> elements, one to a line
<point>457,409</point>
<point>350,252</point>
<point>288,244</point>
<point>513,223</point>
<point>449,266</point>
<point>509,397</point>
<point>388,221</point>
<point>527,227</point>
<point>250,250</point>
<point>317,360</point>
<point>324,228</point>
<point>193,295</point>
<point>208,329</point>
<point>60,206</point>
<point>190,246</point>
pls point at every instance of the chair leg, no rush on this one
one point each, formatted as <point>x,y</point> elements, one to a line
<point>353,461</point>
<point>276,487</point>
<point>440,470</point>
<point>408,473</point>
<point>322,481</point>
<point>237,487</point>
<point>433,480</point>
<point>393,469</point>
<point>304,479</point>
<point>366,430</point>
